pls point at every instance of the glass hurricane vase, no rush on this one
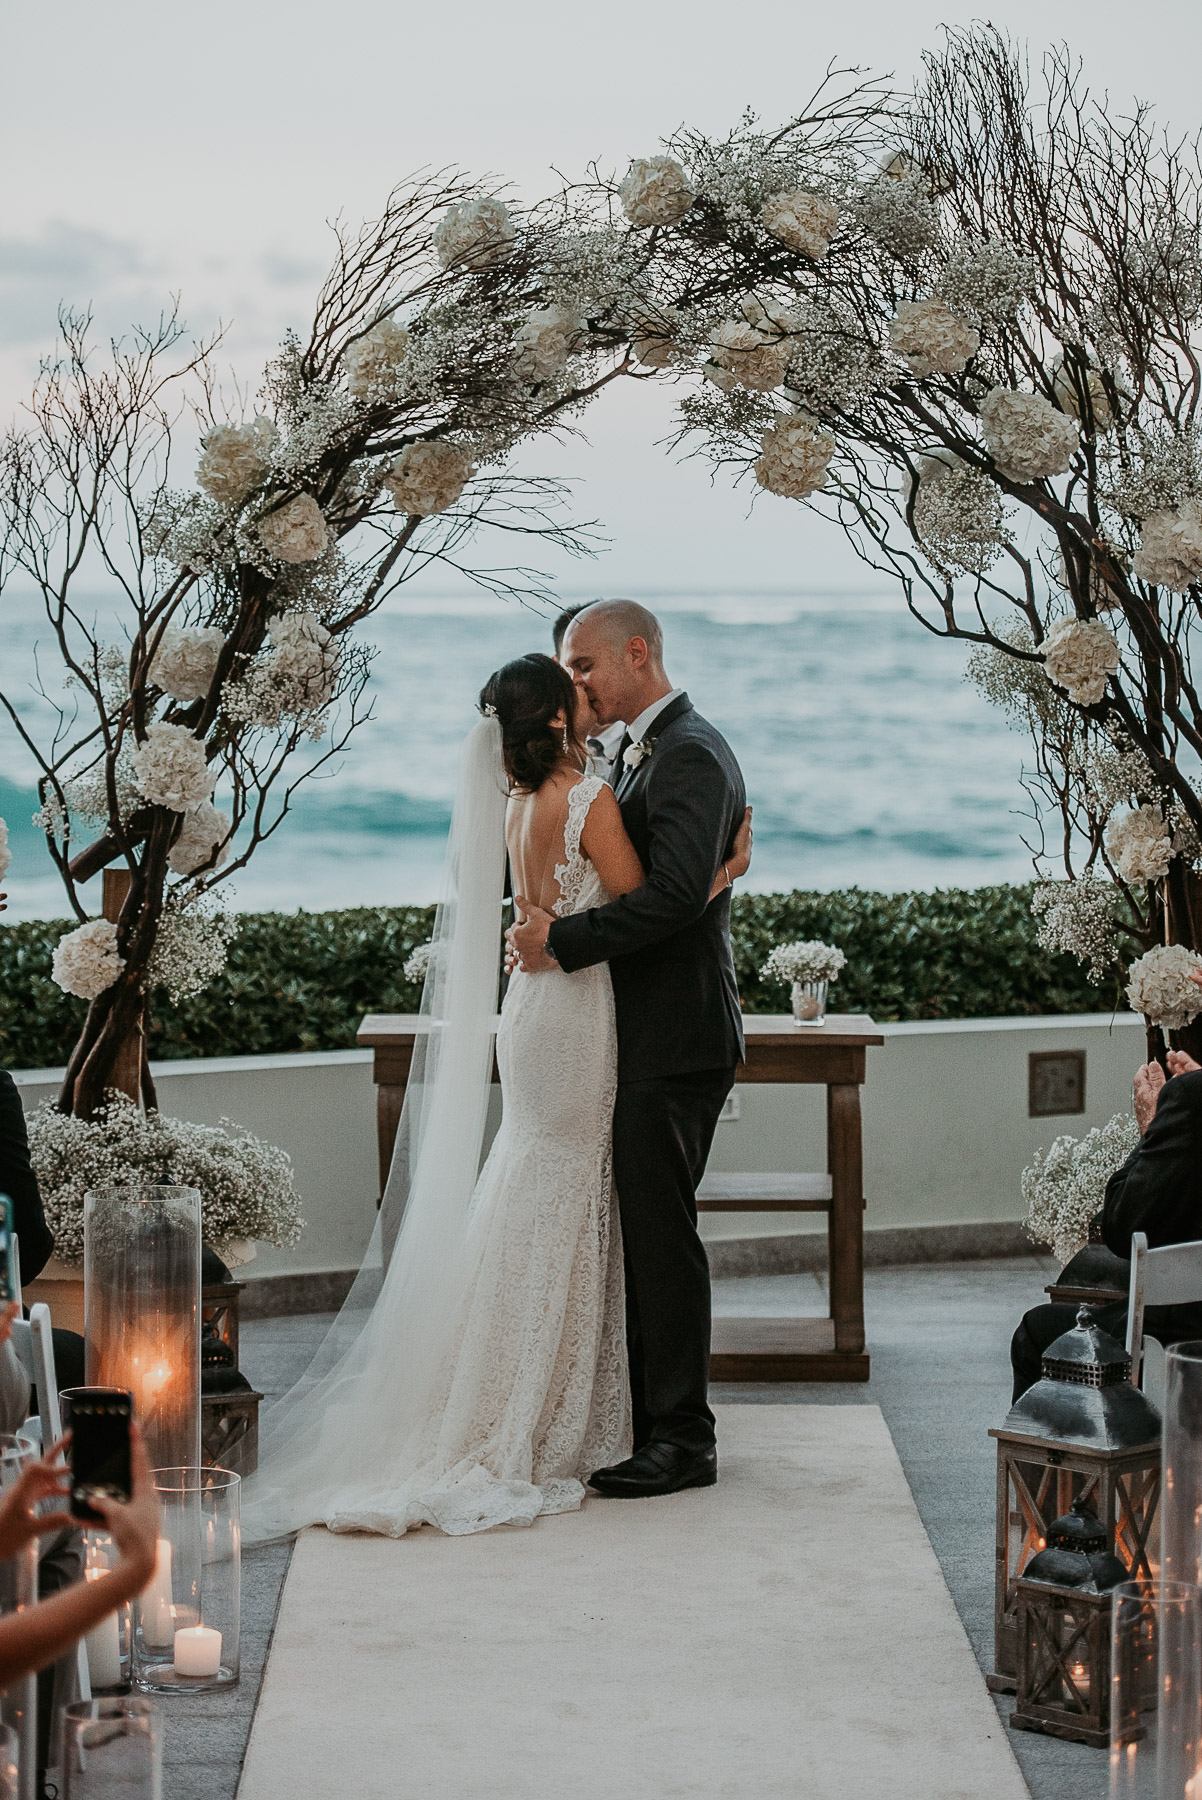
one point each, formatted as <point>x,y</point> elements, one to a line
<point>142,1309</point>
<point>187,1622</point>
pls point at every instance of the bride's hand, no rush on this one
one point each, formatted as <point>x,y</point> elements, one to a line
<point>740,859</point>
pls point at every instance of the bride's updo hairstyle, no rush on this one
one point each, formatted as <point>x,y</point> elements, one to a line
<point>525,696</point>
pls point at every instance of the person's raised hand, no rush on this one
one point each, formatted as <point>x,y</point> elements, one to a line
<point>739,860</point>
<point>528,937</point>
<point>20,1521</point>
<point>133,1524</point>
<point>1149,1079</point>
<point>1180,1063</point>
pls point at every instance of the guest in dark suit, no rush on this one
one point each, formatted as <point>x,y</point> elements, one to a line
<point>679,1027</point>
<point>1157,1191</point>
<point>35,1242</point>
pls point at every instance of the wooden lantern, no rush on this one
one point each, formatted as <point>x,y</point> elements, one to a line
<point>229,1406</point>
<point>1082,1433</point>
<point>1064,1605</point>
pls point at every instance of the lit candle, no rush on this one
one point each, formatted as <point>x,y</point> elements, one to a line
<point>158,1621</point>
<point>197,1651</point>
<point>104,1646</point>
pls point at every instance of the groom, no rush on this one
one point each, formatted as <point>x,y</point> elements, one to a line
<point>680,1036</point>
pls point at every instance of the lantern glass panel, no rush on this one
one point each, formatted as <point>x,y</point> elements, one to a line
<point>1182,1529</point>
<point>142,1309</point>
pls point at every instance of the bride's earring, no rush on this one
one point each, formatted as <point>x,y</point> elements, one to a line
<point>565,740</point>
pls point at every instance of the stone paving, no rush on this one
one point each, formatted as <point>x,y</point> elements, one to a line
<point>938,1335</point>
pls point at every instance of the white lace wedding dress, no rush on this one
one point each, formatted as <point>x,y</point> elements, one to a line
<point>530,1391</point>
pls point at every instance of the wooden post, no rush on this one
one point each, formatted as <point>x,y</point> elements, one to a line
<point>127,1069</point>
<point>845,1159</point>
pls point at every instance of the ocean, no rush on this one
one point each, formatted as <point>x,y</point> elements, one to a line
<point>869,760</point>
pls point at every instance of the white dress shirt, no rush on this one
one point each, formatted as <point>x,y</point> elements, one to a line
<point>638,728</point>
<point>602,747</point>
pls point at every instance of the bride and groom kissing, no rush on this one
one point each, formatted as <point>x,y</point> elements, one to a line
<point>540,1323</point>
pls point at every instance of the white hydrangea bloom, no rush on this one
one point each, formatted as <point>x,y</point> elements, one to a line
<point>811,960</point>
<point>1159,986</point>
<point>991,279</point>
<point>1170,548</point>
<point>753,360</point>
<point>295,533</point>
<point>1069,400</point>
<point>186,660</point>
<point>417,964</point>
<point>169,768</point>
<point>201,829</point>
<point>1065,1186</point>
<point>375,362</point>
<point>1140,844</point>
<point>427,478</point>
<point>475,235</point>
<point>85,960</point>
<point>235,459</point>
<point>1078,917</point>
<point>933,339</point>
<point>1028,438</point>
<point>801,221</point>
<point>544,341</point>
<point>959,514</point>
<point>295,677</point>
<point>795,454</point>
<point>1079,655</point>
<point>6,855</point>
<point>655,191</point>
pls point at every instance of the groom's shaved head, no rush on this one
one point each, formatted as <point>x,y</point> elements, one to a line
<point>620,620</point>
<point>614,650</point>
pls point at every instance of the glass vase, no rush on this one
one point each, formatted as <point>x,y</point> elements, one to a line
<point>19,1589</point>
<point>1181,1505</point>
<point>1156,1692</point>
<point>142,1309</point>
<point>108,1643</point>
<point>112,1750</point>
<point>187,1622</point>
<point>809,1002</point>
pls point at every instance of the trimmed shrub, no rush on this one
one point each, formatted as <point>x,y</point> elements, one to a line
<point>302,981</point>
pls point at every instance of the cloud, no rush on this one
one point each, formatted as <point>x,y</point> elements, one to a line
<point>67,265</point>
<point>283,270</point>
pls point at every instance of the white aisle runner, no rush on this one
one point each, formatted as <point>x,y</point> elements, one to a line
<point>788,1632</point>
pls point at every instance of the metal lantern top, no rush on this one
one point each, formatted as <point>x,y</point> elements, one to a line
<point>1076,1555</point>
<point>1085,1396</point>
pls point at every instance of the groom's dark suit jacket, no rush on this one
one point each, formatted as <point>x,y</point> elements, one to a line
<point>667,943</point>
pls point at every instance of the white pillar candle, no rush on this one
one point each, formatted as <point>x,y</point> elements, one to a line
<point>197,1651</point>
<point>158,1620</point>
<point>104,1647</point>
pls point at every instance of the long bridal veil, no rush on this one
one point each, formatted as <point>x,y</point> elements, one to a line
<point>344,1428</point>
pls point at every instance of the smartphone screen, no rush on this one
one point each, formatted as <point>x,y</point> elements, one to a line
<point>99,1423</point>
<point>8,1283</point>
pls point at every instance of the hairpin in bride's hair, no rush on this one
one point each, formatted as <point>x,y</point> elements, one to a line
<point>489,710</point>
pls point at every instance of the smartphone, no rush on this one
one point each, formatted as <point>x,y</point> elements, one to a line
<point>9,1285</point>
<point>98,1420</point>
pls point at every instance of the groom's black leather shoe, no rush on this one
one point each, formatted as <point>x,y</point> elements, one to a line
<point>657,1469</point>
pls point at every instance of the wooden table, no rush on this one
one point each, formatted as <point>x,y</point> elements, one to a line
<point>830,1056</point>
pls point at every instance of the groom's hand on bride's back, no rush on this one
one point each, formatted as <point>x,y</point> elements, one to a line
<point>527,939</point>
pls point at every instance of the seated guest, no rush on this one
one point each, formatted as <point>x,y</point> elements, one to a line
<point>35,1243</point>
<point>1157,1191</point>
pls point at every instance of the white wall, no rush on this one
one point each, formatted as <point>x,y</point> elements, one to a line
<point>946,1131</point>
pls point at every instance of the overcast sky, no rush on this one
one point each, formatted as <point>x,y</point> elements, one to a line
<point>154,148</point>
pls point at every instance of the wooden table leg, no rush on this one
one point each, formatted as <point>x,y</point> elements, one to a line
<point>846,1231</point>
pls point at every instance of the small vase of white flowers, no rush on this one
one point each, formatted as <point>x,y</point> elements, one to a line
<point>809,968</point>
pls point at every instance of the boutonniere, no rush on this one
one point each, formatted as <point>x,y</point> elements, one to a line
<point>636,752</point>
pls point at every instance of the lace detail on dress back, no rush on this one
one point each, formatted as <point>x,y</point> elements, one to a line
<point>578,881</point>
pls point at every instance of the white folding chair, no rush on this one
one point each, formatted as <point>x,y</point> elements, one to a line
<point>34,1345</point>
<point>1169,1276</point>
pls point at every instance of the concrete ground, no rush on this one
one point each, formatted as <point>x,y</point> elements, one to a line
<point>938,1335</point>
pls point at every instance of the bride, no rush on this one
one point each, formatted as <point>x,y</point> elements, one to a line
<point>477,1374</point>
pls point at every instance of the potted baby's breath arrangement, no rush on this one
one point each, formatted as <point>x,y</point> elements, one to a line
<point>809,968</point>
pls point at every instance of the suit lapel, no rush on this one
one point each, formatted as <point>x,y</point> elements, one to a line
<point>678,708</point>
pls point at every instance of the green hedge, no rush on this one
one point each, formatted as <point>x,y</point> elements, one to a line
<point>302,981</point>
